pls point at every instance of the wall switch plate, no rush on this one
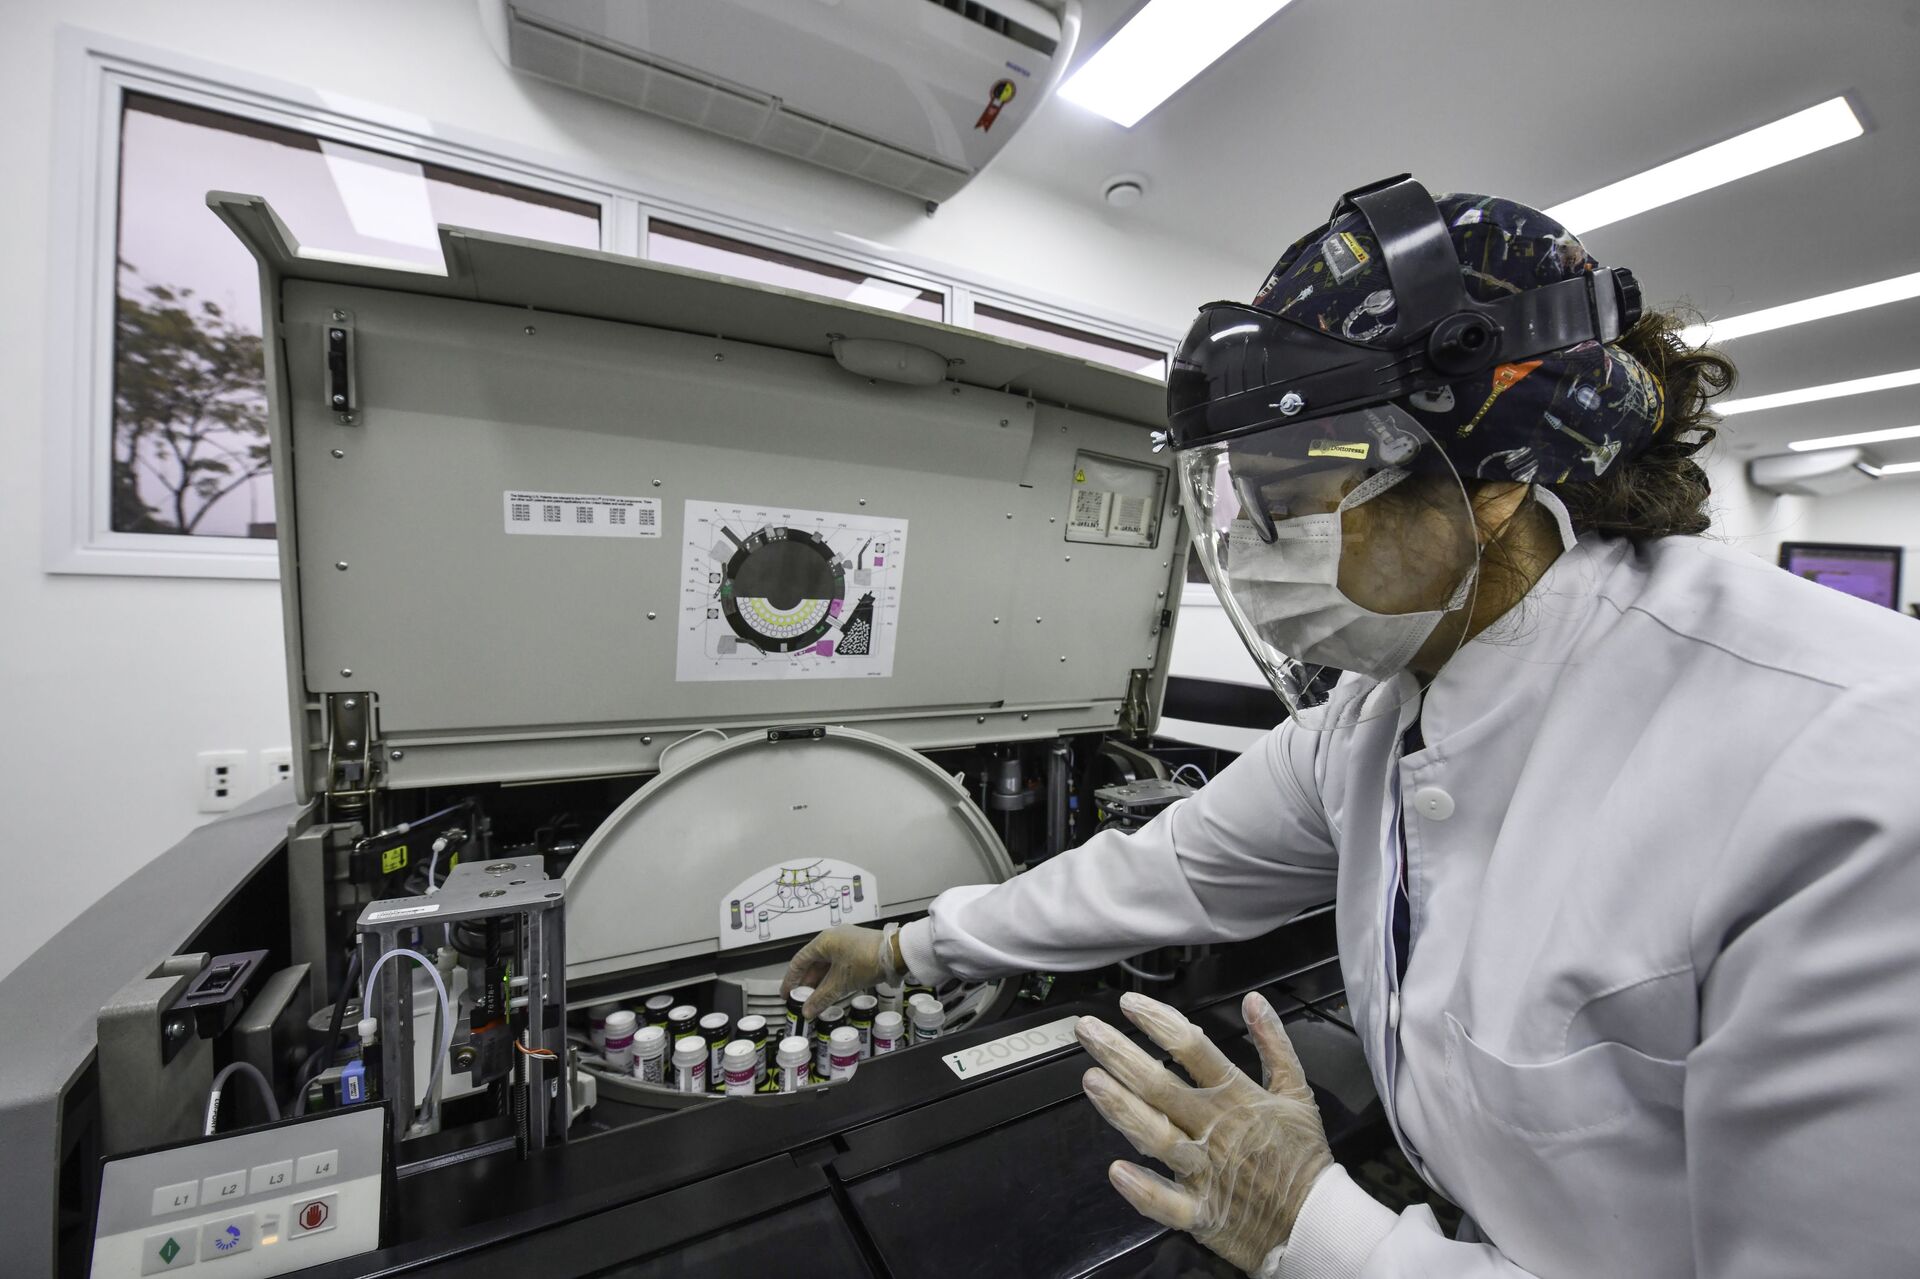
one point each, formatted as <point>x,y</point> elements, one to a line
<point>224,780</point>
<point>276,766</point>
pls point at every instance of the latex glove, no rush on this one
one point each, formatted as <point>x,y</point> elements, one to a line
<point>841,961</point>
<point>1244,1155</point>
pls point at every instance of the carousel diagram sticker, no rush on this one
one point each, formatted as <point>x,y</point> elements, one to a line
<point>773,593</point>
<point>795,900</point>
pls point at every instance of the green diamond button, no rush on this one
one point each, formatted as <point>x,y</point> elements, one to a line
<point>169,1250</point>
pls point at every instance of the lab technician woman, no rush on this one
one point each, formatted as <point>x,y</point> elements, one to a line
<point>1621,824</point>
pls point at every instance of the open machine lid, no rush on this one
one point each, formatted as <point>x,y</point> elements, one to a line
<point>766,837</point>
<point>549,511</point>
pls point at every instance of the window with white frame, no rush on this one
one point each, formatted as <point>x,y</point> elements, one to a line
<point>160,464</point>
<point>723,255</point>
<point>189,410</point>
<point>1069,340</point>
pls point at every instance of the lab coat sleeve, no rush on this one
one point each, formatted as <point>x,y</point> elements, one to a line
<point>1802,1103</point>
<point>1241,857</point>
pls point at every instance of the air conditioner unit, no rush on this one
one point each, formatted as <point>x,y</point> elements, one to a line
<point>1820,474</point>
<point>916,95</point>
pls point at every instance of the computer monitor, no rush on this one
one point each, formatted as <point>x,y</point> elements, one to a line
<point>1871,573</point>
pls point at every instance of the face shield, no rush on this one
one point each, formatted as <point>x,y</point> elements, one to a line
<point>1341,544</point>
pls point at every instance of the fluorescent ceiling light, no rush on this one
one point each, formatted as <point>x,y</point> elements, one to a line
<point>1900,468</point>
<point>1830,391</point>
<point>1858,437</point>
<point>1898,289</point>
<point>1162,47</point>
<point>1801,133</point>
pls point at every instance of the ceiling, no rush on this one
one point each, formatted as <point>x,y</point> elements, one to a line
<point>1542,100</point>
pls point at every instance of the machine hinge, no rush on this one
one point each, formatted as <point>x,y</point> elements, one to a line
<point>341,385</point>
<point>351,775</point>
<point>1133,712</point>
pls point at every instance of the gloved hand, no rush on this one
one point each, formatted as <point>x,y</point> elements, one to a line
<point>1245,1155</point>
<point>841,961</point>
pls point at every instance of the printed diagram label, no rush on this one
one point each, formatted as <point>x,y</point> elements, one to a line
<point>796,899</point>
<point>581,515</point>
<point>775,593</point>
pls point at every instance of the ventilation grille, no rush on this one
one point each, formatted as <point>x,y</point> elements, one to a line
<point>1000,24</point>
<point>663,89</point>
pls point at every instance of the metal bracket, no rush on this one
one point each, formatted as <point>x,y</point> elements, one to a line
<point>1133,711</point>
<point>350,766</point>
<point>341,386</point>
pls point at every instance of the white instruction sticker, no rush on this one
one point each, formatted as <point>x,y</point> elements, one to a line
<point>581,515</point>
<point>1010,1050</point>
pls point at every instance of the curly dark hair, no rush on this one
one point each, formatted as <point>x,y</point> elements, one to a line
<point>1663,491</point>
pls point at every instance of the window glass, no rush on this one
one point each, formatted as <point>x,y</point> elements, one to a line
<point>1070,341</point>
<point>189,403</point>
<point>722,255</point>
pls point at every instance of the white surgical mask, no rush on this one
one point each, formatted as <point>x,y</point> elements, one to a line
<point>1289,592</point>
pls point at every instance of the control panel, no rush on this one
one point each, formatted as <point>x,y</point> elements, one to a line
<point>252,1204</point>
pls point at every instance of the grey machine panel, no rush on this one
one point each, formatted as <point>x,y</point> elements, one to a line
<point>528,367</point>
<point>658,879</point>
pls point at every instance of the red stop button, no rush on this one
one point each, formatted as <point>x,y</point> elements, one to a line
<point>315,1214</point>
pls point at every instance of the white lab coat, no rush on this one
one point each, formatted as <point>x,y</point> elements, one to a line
<point>1662,1011</point>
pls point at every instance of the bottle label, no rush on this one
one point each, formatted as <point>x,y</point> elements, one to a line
<point>740,1083</point>
<point>793,1078</point>
<point>650,1070</point>
<point>883,1046</point>
<point>691,1078</point>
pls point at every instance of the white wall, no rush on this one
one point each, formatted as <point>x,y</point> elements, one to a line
<point>109,686</point>
<point>1885,513</point>
<point>1751,518</point>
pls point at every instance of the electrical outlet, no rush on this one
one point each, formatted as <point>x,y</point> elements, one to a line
<point>224,780</point>
<point>276,766</point>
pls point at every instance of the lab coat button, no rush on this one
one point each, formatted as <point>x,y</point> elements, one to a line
<point>1393,1011</point>
<point>1433,803</point>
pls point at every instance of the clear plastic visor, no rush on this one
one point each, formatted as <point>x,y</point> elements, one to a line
<point>1344,546</point>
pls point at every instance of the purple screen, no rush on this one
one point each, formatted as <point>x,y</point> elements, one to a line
<point>1867,575</point>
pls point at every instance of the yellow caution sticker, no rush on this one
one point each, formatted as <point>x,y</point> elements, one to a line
<point>1357,451</point>
<point>1080,477</point>
<point>393,859</point>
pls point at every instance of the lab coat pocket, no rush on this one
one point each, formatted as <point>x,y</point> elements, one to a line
<point>1551,1158</point>
<point>1592,1088</point>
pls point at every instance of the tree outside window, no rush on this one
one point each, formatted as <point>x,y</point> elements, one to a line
<point>189,451</point>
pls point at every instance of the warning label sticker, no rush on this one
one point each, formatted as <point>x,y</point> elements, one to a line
<point>581,515</point>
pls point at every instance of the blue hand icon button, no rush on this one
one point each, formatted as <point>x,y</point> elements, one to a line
<point>226,1237</point>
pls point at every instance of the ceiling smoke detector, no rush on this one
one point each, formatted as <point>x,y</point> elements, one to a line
<point>1124,190</point>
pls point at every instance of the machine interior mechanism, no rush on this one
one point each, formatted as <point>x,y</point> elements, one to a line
<point>632,639</point>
